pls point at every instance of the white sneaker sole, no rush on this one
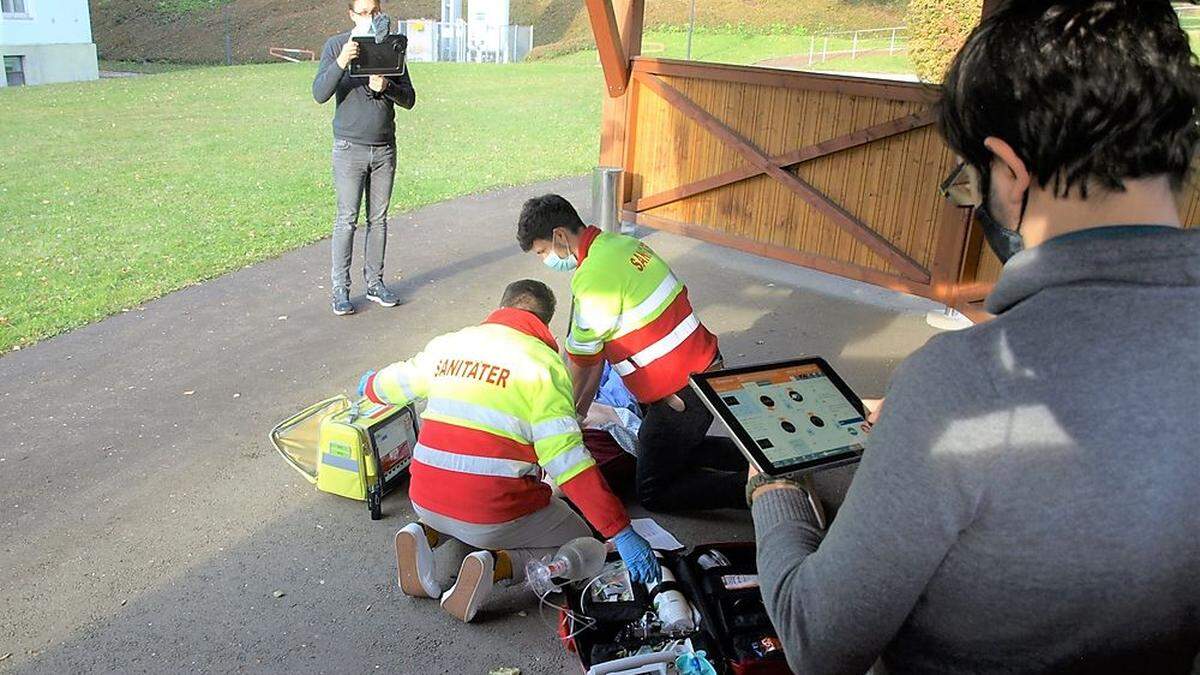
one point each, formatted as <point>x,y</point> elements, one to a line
<point>380,302</point>
<point>345,313</point>
<point>411,547</point>
<point>471,590</point>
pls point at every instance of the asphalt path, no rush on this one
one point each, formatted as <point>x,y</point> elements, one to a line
<point>147,525</point>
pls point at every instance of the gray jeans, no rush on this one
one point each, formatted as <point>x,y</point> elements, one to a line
<point>536,535</point>
<point>358,170</point>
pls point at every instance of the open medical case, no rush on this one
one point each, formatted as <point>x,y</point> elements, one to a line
<point>719,581</point>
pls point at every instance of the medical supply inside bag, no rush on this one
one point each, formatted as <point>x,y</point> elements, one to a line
<point>612,624</point>
<point>355,449</point>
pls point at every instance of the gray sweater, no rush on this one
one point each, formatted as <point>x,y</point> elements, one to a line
<point>1030,498</point>
<point>362,116</point>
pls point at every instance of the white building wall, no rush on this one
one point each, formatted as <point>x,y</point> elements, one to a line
<point>51,22</point>
<point>55,40</point>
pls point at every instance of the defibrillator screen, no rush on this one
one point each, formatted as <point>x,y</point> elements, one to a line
<point>394,441</point>
<point>790,416</point>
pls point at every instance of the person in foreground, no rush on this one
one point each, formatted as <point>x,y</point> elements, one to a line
<point>499,415</point>
<point>1028,501</point>
<point>631,310</point>
<point>364,155</point>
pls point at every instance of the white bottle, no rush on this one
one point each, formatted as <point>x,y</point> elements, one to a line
<point>673,609</point>
<point>575,560</point>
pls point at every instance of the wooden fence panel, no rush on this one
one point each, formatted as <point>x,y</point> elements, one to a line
<point>836,173</point>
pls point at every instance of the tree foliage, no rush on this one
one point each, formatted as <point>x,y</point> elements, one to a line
<point>936,31</point>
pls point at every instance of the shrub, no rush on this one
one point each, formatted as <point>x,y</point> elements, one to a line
<point>936,31</point>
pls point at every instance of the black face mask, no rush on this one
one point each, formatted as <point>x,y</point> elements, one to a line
<point>1005,243</point>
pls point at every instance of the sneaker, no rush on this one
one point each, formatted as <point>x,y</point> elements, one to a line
<point>414,563</point>
<point>472,588</point>
<point>341,302</point>
<point>381,295</point>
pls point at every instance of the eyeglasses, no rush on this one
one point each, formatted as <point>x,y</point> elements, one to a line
<point>963,186</point>
<point>370,12</point>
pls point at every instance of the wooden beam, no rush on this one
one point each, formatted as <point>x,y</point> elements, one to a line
<point>608,43</point>
<point>953,235</point>
<point>615,127</point>
<point>853,139</point>
<point>912,92</point>
<point>815,198</point>
<point>783,253</point>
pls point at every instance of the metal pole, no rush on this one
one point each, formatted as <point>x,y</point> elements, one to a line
<point>691,28</point>
<point>854,47</point>
<point>228,36</point>
<point>892,49</point>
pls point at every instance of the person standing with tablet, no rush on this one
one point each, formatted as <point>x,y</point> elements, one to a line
<point>1027,501</point>
<point>631,310</point>
<point>364,155</point>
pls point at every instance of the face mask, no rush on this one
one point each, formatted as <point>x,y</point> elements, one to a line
<point>1004,242</point>
<point>561,264</point>
<point>554,262</point>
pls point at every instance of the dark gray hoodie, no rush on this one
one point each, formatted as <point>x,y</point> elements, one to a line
<point>1030,499</point>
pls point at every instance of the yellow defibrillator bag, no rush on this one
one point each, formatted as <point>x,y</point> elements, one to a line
<point>356,449</point>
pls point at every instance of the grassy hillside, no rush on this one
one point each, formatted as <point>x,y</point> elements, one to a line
<point>193,31</point>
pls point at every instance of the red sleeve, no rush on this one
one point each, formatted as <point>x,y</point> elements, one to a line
<point>590,492</point>
<point>369,391</point>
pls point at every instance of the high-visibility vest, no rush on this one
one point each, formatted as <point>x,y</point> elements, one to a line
<point>499,414</point>
<point>631,310</point>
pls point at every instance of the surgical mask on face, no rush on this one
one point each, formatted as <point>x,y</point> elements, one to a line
<point>554,262</point>
<point>560,264</point>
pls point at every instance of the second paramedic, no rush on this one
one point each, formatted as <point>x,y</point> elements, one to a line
<point>499,415</point>
<point>631,310</point>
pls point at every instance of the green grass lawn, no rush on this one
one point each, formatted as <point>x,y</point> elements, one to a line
<point>147,67</point>
<point>745,49</point>
<point>118,191</point>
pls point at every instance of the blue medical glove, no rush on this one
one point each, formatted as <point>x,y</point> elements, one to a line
<point>638,556</point>
<point>362,382</point>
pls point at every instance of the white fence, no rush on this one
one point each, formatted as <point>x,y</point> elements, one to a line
<point>856,43</point>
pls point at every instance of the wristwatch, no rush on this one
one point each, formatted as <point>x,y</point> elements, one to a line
<point>761,479</point>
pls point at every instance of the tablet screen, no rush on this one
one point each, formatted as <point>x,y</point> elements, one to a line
<point>790,415</point>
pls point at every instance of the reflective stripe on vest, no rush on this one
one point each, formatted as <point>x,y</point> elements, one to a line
<point>479,466</point>
<point>554,427</point>
<point>633,319</point>
<point>567,461</point>
<point>479,414</point>
<point>660,348</point>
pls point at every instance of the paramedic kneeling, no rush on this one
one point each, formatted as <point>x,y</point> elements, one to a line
<point>1028,500</point>
<point>632,310</point>
<point>499,414</point>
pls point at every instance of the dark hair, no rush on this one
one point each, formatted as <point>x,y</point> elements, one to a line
<point>530,295</point>
<point>541,215</point>
<point>1085,91</point>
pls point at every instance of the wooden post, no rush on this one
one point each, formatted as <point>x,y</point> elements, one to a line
<point>615,109</point>
<point>613,58</point>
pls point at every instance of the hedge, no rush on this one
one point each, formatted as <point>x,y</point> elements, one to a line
<point>936,31</point>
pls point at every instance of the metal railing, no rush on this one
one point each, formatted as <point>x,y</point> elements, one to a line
<point>463,42</point>
<point>856,43</point>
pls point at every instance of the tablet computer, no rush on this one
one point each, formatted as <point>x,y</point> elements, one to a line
<point>788,417</point>
<point>385,58</point>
